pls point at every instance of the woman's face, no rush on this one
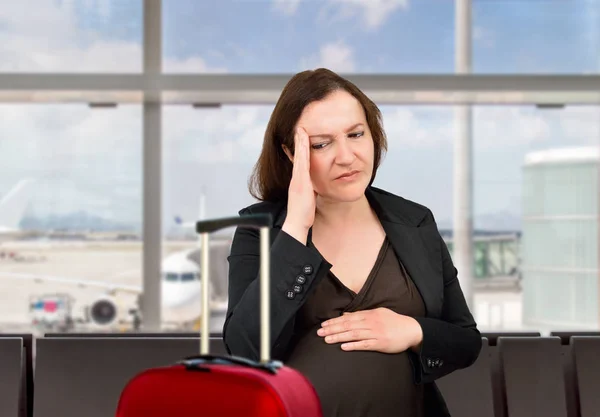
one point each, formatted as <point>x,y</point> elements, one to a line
<point>340,144</point>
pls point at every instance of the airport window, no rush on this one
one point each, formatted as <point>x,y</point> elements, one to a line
<point>239,36</point>
<point>71,183</point>
<point>70,214</point>
<point>71,36</point>
<point>535,211</point>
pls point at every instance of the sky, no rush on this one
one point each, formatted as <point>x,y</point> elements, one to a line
<point>90,160</point>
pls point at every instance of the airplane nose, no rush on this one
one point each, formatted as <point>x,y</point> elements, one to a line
<point>177,294</point>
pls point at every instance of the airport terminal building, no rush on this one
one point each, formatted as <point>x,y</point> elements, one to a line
<point>559,248</point>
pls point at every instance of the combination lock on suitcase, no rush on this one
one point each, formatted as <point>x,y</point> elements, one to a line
<point>207,385</point>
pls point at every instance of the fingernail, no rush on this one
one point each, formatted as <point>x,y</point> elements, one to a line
<point>320,332</point>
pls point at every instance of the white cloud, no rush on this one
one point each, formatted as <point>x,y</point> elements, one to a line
<point>227,134</point>
<point>287,7</point>
<point>336,56</point>
<point>581,124</point>
<point>483,36</point>
<point>190,65</point>
<point>374,12</point>
<point>505,126</point>
<point>405,128</point>
<point>494,127</point>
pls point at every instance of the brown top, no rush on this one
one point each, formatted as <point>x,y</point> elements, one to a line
<point>359,383</point>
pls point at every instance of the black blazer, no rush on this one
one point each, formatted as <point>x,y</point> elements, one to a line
<point>451,339</point>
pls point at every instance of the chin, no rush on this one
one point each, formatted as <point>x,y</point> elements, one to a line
<point>347,194</point>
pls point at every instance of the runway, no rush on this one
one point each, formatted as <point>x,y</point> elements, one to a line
<point>107,261</point>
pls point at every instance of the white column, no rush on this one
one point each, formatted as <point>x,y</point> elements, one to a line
<point>463,163</point>
<point>152,173</point>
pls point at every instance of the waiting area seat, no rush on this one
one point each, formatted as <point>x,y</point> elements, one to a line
<point>468,392</point>
<point>565,337</point>
<point>26,400</point>
<point>497,384</point>
<point>492,337</point>
<point>11,376</point>
<point>532,371</point>
<point>569,368</point>
<point>88,374</point>
<point>585,351</point>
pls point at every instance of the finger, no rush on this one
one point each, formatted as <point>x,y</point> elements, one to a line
<point>344,327</point>
<point>298,149</point>
<point>355,316</point>
<point>350,336</point>
<point>305,139</point>
<point>304,146</point>
<point>368,344</point>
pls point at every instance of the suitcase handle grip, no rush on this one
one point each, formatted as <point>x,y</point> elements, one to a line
<point>248,220</point>
<point>196,362</point>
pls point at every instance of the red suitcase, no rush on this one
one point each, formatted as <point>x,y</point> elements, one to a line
<point>223,386</point>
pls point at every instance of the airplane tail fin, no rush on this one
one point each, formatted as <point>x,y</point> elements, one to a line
<point>14,204</point>
<point>201,214</point>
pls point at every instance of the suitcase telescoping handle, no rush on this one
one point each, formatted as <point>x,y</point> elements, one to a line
<point>262,222</point>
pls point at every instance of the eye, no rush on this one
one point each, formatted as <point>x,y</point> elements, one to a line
<point>318,146</point>
<point>356,134</point>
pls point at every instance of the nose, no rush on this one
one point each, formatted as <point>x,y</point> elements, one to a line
<point>345,153</point>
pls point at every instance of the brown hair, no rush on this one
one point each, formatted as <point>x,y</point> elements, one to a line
<point>272,173</point>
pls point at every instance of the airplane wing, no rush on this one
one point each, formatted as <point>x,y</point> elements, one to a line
<point>112,287</point>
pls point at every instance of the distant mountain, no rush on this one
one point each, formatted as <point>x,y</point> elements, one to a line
<point>496,221</point>
<point>502,220</point>
<point>76,221</point>
<point>81,220</point>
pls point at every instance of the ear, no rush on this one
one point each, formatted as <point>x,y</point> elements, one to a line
<point>288,153</point>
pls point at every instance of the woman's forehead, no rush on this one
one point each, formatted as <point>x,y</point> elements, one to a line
<point>333,113</point>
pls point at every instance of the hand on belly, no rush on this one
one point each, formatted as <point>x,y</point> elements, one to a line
<point>380,330</point>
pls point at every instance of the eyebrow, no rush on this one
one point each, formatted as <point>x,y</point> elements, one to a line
<point>326,136</point>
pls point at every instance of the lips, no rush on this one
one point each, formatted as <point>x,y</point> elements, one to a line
<point>348,174</point>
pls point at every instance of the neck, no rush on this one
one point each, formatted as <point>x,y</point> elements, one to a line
<point>334,213</point>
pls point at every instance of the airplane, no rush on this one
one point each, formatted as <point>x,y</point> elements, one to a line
<point>180,288</point>
<point>12,208</point>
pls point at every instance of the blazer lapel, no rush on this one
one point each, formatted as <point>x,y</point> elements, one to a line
<point>401,222</point>
<point>408,245</point>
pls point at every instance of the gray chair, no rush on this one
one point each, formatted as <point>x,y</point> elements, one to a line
<point>497,387</point>
<point>532,371</point>
<point>584,352</point>
<point>88,374</point>
<point>492,337</point>
<point>11,376</point>
<point>566,336</point>
<point>468,392</point>
<point>26,400</point>
<point>569,368</point>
